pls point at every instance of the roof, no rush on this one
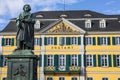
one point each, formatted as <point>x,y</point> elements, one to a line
<point>77,17</point>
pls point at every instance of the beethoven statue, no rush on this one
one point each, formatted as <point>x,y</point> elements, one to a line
<point>25,32</point>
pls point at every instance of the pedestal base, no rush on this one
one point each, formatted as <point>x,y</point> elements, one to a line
<point>22,67</point>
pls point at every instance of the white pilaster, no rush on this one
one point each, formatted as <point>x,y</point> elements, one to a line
<point>82,51</point>
<point>42,54</point>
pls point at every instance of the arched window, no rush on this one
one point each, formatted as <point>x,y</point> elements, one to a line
<point>103,24</point>
<point>37,24</point>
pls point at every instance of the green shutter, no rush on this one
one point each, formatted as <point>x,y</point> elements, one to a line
<point>56,61</point>
<point>40,40</point>
<point>94,60</point>
<point>12,42</point>
<point>55,40</point>
<point>79,40</point>
<point>79,60</point>
<point>45,41</point>
<point>85,41</point>
<point>109,59</point>
<point>99,60</point>
<point>98,40</point>
<point>40,60</point>
<point>115,60</point>
<point>85,60</point>
<point>45,60</point>
<point>67,62</point>
<point>108,40</point>
<point>67,40</point>
<point>1,60</point>
<point>94,41</point>
<point>3,42</point>
<point>113,40</point>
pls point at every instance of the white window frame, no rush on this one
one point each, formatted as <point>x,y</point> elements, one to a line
<point>36,41</point>
<point>88,24</point>
<point>51,60</point>
<point>73,78</point>
<point>89,40</point>
<point>103,24</point>
<point>63,78</point>
<point>74,58</point>
<point>89,60</point>
<point>89,77</point>
<point>37,24</point>
<point>74,40</point>
<point>103,41</point>
<point>50,40</point>
<point>62,41</point>
<point>117,40</point>
<point>118,60</point>
<point>8,41</point>
<point>104,60</point>
<point>62,60</point>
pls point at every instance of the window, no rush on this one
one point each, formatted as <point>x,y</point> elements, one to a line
<point>74,60</point>
<point>50,41</point>
<point>103,40</point>
<point>74,78</point>
<point>62,60</point>
<point>37,24</point>
<point>104,78</point>
<point>88,24</point>
<point>4,78</point>
<point>49,78</point>
<point>103,24</point>
<point>7,41</point>
<point>118,78</point>
<point>89,60</point>
<point>61,78</point>
<point>62,40</point>
<point>74,40</point>
<point>117,40</point>
<point>89,40</point>
<point>50,60</point>
<point>104,59</point>
<point>89,78</point>
<point>36,41</point>
<point>118,60</point>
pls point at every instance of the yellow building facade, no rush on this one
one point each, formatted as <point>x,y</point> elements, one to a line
<point>72,45</point>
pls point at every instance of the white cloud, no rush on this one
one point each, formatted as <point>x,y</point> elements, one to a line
<point>110,2</point>
<point>2,21</point>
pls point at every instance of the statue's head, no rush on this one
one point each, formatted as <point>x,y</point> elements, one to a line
<point>26,8</point>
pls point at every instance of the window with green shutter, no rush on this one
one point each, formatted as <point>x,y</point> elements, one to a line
<point>98,39</point>
<point>12,42</point>
<point>79,60</point>
<point>108,40</point>
<point>94,41</point>
<point>45,60</point>
<point>67,40</point>
<point>110,61</point>
<point>99,60</point>
<point>56,60</point>
<point>1,60</point>
<point>55,40</point>
<point>67,60</point>
<point>94,60</point>
<point>40,39</point>
<point>45,41</point>
<point>79,40</point>
<point>113,40</point>
<point>85,60</point>
<point>40,60</point>
<point>114,60</point>
<point>3,42</point>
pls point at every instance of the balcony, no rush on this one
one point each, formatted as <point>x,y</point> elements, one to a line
<point>62,69</point>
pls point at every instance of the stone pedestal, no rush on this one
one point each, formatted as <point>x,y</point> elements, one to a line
<point>22,65</point>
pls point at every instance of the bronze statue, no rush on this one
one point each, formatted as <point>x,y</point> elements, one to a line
<point>25,32</point>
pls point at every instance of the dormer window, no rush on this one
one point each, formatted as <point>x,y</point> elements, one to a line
<point>39,16</point>
<point>88,24</point>
<point>87,15</point>
<point>63,15</point>
<point>103,24</point>
<point>37,24</point>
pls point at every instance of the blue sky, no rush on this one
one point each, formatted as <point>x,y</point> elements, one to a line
<point>11,8</point>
